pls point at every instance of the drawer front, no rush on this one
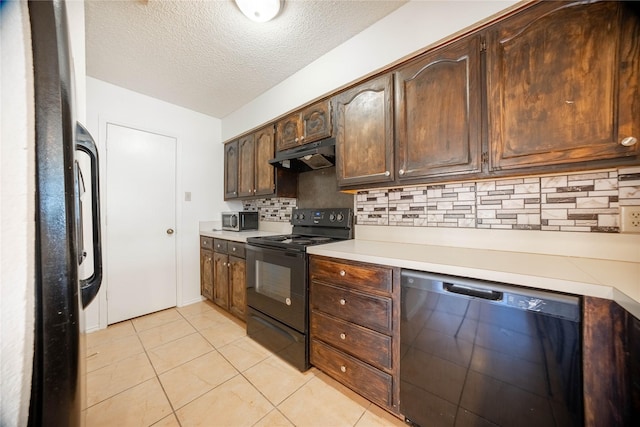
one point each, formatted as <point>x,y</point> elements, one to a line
<point>220,246</point>
<point>365,344</point>
<point>236,249</point>
<point>206,242</point>
<point>364,276</point>
<point>370,311</point>
<point>371,383</point>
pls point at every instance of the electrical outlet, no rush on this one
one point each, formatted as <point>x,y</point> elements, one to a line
<point>630,219</point>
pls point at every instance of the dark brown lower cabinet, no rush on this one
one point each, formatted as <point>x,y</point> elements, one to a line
<point>206,267</point>
<point>611,361</point>
<point>223,274</point>
<point>355,326</point>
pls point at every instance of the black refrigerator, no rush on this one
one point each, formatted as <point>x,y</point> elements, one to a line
<point>57,387</point>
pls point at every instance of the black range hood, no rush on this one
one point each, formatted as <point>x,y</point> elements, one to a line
<point>316,155</point>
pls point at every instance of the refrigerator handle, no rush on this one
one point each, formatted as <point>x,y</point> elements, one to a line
<point>90,286</point>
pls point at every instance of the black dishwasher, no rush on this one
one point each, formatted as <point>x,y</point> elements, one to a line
<point>476,353</point>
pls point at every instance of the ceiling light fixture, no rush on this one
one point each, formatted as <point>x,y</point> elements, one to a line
<point>259,10</point>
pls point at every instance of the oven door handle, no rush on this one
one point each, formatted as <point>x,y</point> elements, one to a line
<point>275,329</point>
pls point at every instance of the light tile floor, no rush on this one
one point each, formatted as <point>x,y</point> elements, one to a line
<point>195,366</point>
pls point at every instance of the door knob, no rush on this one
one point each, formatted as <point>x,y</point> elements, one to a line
<point>169,230</point>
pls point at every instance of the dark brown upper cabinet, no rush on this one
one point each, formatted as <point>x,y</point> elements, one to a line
<point>256,175</point>
<point>246,165</point>
<point>302,127</point>
<point>562,84</point>
<point>438,112</point>
<point>231,170</point>
<point>248,173</point>
<point>364,140</point>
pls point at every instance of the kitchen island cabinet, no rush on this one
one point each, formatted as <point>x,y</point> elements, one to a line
<point>354,326</point>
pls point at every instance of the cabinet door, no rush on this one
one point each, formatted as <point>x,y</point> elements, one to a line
<point>364,141</point>
<point>221,280</point>
<point>231,170</point>
<point>316,122</point>
<point>237,287</point>
<point>288,131</point>
<point>206,274</point>
<point>264,172</point>
<point>437,106</point>
<point>563,84</point>
<point>246,166</point>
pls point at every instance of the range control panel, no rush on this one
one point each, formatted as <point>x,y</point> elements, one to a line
<point>327,217</point>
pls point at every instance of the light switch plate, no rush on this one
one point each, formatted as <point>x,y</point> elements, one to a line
<point>630,219</point>
<point>187,196</point>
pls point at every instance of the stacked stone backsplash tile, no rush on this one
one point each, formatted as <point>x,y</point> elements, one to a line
<point>587,201</point>
<point>273,210</point>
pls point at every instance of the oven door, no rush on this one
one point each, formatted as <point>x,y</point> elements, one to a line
<point>277,284</point>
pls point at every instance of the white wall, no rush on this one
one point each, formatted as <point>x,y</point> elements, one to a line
<point>409,29</point>
<point>199,170</point>
<point>17,207</point>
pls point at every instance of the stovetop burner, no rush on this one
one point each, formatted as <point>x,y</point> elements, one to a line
<point>311,227</point>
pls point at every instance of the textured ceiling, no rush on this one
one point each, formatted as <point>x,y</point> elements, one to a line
<point>205,55</point>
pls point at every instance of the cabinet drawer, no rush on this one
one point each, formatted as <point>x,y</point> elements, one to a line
<point>206,242</point>
<point>236,249</point>
<point>371,383</point>
<point>364,276</point>
<point>370,311</point>
<point>220,246</point>
<point>365,344</point>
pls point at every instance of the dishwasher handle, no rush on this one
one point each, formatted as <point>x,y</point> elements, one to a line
<point>473,292</point>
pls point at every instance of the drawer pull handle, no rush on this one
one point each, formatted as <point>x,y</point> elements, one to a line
<point>343,336</point>
<point>343,368</point>
<point>342,273</point>
<point>342,301</point>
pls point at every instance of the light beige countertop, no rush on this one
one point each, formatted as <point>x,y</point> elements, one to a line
<point>236,236</point>
<point>610,279</point>
<point>212,229</point>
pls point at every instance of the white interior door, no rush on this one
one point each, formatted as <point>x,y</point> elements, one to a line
<point>140,223</point>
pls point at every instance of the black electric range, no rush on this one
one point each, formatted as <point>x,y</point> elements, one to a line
<point>277,284</point>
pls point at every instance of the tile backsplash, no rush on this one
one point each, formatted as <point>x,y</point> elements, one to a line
<point>586,201</point>
<point>272,210</point>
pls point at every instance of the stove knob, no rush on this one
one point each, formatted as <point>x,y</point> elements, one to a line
<point>332,217</point>
<point>301,216</point>
<point>340,217</point>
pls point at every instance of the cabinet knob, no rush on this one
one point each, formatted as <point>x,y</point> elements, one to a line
<point>302,138</point>
<point>343,336</point>
<point>342,301</point>
<point>296,140</point>
<point>343,368</point>
<point>233,249</point>
<point>235,192</point>
<point>401,172</point>
<point>169,231</point>
<point>387,173</point>
<point>224,264</point>
<point>629,141</point>
<point>342,273</point>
